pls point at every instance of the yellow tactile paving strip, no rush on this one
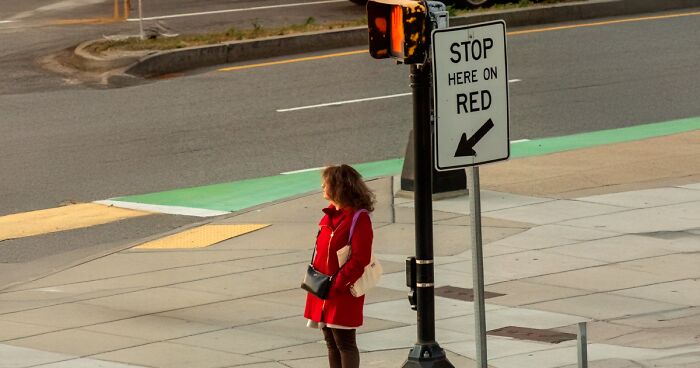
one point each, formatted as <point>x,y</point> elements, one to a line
<point>52,220</point>
<point>202,236</point>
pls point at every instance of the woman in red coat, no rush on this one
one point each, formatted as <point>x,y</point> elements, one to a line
<point>341,313</point>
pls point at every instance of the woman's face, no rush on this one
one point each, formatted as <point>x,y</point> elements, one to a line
<point>324,185</point>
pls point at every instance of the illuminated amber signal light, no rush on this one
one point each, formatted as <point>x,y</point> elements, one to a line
<point>398,29</point>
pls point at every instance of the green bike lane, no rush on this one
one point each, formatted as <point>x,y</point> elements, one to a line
<point>217,199</point>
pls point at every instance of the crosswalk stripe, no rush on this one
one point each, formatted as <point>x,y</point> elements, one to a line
<point>70,217</point>
<point>171,210</point>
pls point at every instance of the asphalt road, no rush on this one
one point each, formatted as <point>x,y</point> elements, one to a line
<point>75,143</point>
<point>41,162</point>
<point>32,29</point>
<point>83,144</point>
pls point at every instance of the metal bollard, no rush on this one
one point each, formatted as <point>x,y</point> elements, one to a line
<point>582,340</point>
<point>127,7</point>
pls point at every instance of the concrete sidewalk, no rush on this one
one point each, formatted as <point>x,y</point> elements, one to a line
<point>615,243</point>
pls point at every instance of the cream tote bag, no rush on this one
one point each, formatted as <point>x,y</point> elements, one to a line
<point>373,271</point>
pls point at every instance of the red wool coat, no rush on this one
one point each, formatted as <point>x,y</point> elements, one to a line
<point>341,308</point>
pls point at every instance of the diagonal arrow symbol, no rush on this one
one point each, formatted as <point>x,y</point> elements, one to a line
<point>466,146</point>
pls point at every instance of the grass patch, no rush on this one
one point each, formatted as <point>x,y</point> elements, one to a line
<point>231,34</point>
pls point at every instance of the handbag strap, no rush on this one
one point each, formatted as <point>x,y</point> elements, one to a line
<point>354,221</point>
<point>352,229</point>
<point>313,255</point>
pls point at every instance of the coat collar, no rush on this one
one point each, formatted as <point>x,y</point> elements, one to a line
<point>332,212</point>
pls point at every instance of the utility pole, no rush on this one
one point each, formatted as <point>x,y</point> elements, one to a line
<point>470,128</point>
<point>426,352</point>
<point>400,29</point>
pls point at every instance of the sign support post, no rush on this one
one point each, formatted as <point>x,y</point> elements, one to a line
<point>470,85</point>
<point>477,266</point>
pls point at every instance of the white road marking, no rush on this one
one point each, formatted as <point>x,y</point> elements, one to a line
<point>234,10</point>
<point>520,141</point>
<point>358,100</point>
<point>56,5</point>
<point>172,210</point>
<point>344,102</point>
<point>301,171</point>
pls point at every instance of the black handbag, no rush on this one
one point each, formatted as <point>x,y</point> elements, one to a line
<point>316,282</point>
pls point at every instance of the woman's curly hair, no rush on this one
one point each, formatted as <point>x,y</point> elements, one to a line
<point>345,187</point>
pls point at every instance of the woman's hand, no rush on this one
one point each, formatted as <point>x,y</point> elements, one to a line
<point>338,289</point>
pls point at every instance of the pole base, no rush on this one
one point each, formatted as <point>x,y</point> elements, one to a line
<point>427,356</point>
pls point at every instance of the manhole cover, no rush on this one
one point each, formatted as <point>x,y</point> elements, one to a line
<point>532,334</point>
<point>459,293</point>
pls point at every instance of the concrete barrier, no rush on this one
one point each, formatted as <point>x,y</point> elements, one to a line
<point>197,57</point>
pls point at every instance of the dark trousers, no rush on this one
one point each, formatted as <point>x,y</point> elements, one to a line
<point>342,349</point>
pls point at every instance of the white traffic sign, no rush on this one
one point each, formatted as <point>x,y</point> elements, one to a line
<point>470,91</point>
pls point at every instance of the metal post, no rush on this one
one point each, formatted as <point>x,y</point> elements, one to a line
<point>141,21</point>
<point>477,267</point>
<point>582,345</point>
<point>127,5</point>
<point>426,353</point>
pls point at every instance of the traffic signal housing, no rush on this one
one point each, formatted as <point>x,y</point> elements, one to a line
<point>398,29</point>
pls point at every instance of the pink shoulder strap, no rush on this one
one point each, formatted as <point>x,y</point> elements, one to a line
<point>354,221</point>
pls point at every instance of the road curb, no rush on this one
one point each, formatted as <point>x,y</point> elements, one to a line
<point>231,52</point>
<point>180,60</point>
<point>85,60</point>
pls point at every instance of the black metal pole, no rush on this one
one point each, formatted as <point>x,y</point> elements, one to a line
<point>426,352</point>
